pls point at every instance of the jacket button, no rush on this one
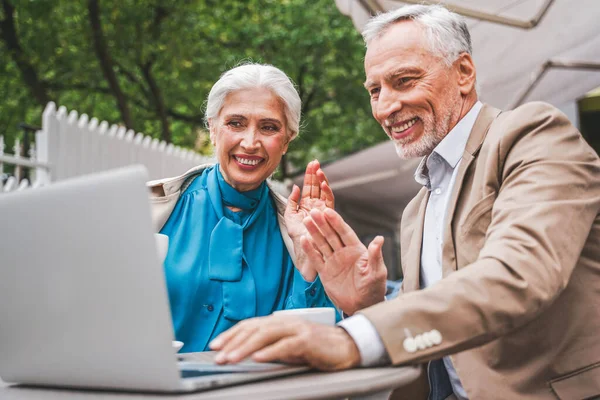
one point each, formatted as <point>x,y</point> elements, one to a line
<point>435,336</point>
<point>410,345</point>
<point>420,342</point>
<point>210,308</point>
<point>426,339</point>
<point>313,291</point>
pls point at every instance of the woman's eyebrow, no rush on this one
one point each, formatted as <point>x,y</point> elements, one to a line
<point>274,120</point>
<point>238,116</point>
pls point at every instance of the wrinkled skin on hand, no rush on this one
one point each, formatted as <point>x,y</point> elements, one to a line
<point>316,195</point>
<point>287,339</point>
<point>353,275</point>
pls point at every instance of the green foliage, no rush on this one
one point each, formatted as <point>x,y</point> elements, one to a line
<point>185,45</point>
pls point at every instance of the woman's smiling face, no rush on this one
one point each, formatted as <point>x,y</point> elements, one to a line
<point>250,136</point>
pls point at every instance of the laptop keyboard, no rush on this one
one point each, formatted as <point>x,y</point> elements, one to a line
<point>203,362</point>
<point>202,357</point>
<point>196,373</point>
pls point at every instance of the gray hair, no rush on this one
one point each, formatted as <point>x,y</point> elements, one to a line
<point>447,32</point>
<point>251,76</point>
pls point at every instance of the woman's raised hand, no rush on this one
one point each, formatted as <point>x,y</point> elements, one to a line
<point>316,195</point>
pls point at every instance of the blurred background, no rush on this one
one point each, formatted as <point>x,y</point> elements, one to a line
<point>149,65</point>
<point>91,85</point>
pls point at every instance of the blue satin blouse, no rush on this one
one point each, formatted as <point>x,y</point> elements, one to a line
<point>224,266</point>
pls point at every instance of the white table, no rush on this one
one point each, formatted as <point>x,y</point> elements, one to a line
<point>364,383</point>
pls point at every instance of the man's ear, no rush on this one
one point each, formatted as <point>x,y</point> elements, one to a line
<point>467,75</point>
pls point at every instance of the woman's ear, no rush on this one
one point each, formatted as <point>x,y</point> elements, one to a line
<point>286,145</point>
<point>213,134</point>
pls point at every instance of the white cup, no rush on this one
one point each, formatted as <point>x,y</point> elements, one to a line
<point>177,345</point>
<point>162,246</point>
<point>320,315</point>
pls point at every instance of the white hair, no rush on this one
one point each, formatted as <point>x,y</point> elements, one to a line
<point>447,32</point>
<point>251,76</point>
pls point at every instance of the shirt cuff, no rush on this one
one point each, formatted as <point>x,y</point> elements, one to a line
<point>371,348</point>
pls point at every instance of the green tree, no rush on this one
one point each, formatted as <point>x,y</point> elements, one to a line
<point>149,65</point>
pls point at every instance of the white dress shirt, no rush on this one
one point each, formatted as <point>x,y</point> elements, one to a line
<point>437,173</point>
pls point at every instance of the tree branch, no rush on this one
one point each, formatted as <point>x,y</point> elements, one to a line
<point>306,102</point>
<point>159,103</point>
<point>106,62</point>
<point>305,95</point>
<point>196,119</point>
<point>132,78</point>
<point>300,80</point>
<point>157,98</point>
<point>9,36</point>
<point>77,86</point>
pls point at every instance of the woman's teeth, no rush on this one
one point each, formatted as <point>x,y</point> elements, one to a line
<point>405,126</point>
<point>246,161</point>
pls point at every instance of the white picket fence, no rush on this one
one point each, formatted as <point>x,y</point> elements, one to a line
<point>79,145</point>
<point>37,171</point>
<point>70,144</point>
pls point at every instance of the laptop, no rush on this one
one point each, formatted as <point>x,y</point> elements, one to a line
<point>83,299</point>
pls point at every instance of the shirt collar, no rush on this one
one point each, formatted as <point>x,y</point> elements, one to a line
<point>452,147</point>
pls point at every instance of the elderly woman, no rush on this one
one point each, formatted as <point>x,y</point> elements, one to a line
<point>231,238</point>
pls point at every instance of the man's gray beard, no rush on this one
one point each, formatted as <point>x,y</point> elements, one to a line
<point>425,145</point>
<point>421,148</point>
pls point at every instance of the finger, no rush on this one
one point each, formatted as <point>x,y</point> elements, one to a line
<point>375,252</point>
<point>285,350</point>
<point>260,339</point>
<point>327,230</point>
<point>344,231</point>
<point>311,251</point>
<point>327,195</point>
<point>306,187</point>
<point>223,338</point>
<point>236,341</point>
<point>292,204</point>
<point>315,188</point>
<point>322,177</point>
<point>317,237</point>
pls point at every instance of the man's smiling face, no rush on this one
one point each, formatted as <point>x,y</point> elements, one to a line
<point>415,96</point>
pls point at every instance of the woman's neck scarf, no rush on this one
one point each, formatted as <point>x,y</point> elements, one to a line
<point>226,250</point>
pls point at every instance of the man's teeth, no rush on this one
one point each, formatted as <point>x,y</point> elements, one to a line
<point>246,161</point>
<point>403,127</point>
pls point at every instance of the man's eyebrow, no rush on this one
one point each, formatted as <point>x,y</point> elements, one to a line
<point>390,75</point>
<point>402,71</point>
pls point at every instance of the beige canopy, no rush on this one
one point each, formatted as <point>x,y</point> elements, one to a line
<point>524,49</point>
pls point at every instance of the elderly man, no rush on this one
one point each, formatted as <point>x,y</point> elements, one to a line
<point>500,248</point>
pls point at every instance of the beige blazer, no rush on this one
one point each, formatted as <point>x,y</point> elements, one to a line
<point>519,305</point>
<point>165,193</point>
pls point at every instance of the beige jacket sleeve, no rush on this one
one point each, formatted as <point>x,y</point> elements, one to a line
<point>547,200</point>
